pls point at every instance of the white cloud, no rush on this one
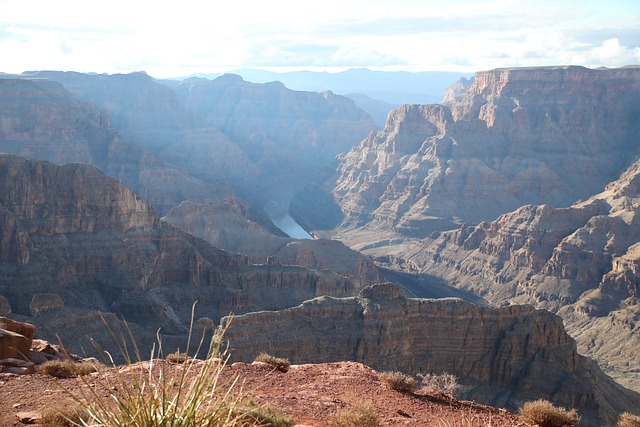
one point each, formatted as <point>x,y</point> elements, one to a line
<point>168,39</point>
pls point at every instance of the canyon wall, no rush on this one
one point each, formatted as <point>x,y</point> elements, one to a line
<point>515,136</point>
<point>41,119</point>
<point>579,261</point>
<point>86,243</point>
<point>502,356</point>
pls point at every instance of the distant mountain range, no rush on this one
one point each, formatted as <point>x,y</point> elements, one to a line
<point>392,88</point>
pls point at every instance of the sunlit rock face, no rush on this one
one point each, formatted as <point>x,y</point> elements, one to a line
<point>509,138</point>
<point>503,356</point>
<point>580,261</point>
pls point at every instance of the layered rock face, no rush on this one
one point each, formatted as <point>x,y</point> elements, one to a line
<point>211,135</point>
<point>503,356</point>
<point>580,261</point>
<point>255,138</point>
<point>41,119</point>
<point>514,137</point>
<point>75,241</point>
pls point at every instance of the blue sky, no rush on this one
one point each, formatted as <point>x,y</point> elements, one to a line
<point>179,38</point>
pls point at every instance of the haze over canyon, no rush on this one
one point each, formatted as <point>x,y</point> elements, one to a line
<point>504,214</point>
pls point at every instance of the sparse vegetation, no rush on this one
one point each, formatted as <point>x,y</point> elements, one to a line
<point>67,368</point>
<point>277,362</point>
<point>361,415</point>
<point>444,383</point>
<point>177,357</point>
<point>466,421</point>
<point>64,418</point>
<point>627,419</point>
<point>398,381</point>
<point>542,413</point>
<point>264,415</point>
<point>155,393</point>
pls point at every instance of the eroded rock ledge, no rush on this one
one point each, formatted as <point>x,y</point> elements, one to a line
<point>504,356</point>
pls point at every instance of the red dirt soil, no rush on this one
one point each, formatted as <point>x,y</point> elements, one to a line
<point>309,394</point>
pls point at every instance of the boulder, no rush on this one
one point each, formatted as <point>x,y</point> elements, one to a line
<point>15,338</point>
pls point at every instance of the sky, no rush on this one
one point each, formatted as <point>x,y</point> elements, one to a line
<point>180,38</point>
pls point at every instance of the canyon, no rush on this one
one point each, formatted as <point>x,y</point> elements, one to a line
<point>519,192</point>
<point>520,188</point>
<point>502,356</point>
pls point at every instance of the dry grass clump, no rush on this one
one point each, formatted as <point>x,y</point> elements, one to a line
<point>64,418</point>
<point>398,381</point>
<point>67,368</point>
<point>279,363</point>
<point>177,357</point>
<point>444,383</point>
<point>361,415</point>
<point>627,419</point>
<point>263,415</point>
<point>155,393</point>
<point>542,413</point>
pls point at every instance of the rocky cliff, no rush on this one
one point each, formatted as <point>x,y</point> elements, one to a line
<point>580,261</point>
<point>75,242</point>
<point>513,137</point>
<point>502,356</point>
<point>255,138</point>
<point>41,119</point>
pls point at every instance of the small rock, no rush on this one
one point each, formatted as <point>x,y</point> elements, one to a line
<point>37,357</point>
<point>28,417</point>
<point>18,371</point>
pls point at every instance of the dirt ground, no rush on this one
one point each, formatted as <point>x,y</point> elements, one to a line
<point>309,394</point>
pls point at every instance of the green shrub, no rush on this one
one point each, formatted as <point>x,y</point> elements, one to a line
<point>398,381</point>
<point>542,413</point>
<point>277,362</point>
<point>628,420</point>
<point>362,415</point>
<point>67,368</point>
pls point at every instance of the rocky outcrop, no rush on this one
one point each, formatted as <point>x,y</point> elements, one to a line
<point>85,237</point>
<point>5,307</point>
<point>15,339</point>
<point>503,356</point>
<point>516,136</point>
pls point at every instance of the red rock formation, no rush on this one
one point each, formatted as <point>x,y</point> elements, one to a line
<point>501,355</point>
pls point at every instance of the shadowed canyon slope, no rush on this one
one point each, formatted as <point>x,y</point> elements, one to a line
<point>255,138</point>
<point>503,356</point>
<point>513,137</point>
<point>75,242</point>
<point>44,120</point>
